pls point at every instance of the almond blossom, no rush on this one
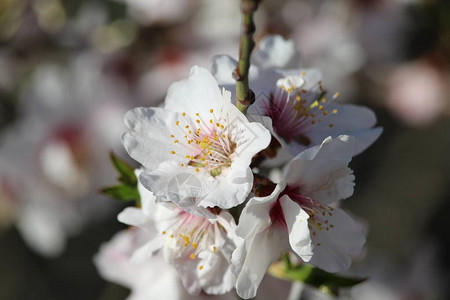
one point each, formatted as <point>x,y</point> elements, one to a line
<point>199,250</point>
<point>293,104</point>
<point>301,215</point>
<point>152,279</point>
<point>199,134</point>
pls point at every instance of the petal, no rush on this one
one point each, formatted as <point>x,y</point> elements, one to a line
<point>255,216</point>
<point>132,216</point>
<point>351,120</point>
<point>297,223</point>
<point>148,200</point>
<point>148,140</point>
<point>255,256</point>
<point>180,185</point>
<point>275,52</point>
<point>334,247</point>
<point>197,94</point>
<point>318,167</point>
<point>222,69</point>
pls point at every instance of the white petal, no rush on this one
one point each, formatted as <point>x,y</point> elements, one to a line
<point>275,52</point>
<point>343,239</point>
<point>148,200</point>
<point>148,140</point>
<point>256,255</point>
<point>318,167</point>
<point>197,94</point>
<point>297,223</point>
<point>132,216</point>
<point>180,185</point>
<point>351,120</point>
<point>255,216</point>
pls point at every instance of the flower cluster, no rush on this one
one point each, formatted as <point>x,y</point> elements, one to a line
<point>205,164</point>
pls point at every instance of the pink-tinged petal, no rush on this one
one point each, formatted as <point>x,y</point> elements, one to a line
<point>197,94</point>
<point>321,168</point>
<point>297,223</point>
<point>255,216</point>
<point>336,241</point>
<point>273,51</point>
<point>252,258</point>
<point>149,139</point>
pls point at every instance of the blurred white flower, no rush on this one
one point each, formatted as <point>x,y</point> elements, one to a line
<point>149,12</point>
<point>301,215</point>
<point>416,93</point>
<point>199,135</point>
<point>54,158</point>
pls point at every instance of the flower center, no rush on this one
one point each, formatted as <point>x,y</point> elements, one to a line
<point>189,235</point>
<point>210,142</point>
<point>318,213</point>
<point>295,111</point>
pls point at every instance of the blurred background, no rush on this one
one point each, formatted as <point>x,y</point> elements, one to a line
<point>69,70</point>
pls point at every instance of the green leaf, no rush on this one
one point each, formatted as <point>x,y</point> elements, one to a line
<point>126,172</point>
<point>122,192</point>
<point>327,282</point>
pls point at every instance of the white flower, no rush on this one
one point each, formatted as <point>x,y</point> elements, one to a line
<point>152,279</point>
<point>199,249</point>
<point>200,136</point>
<point>292,103</point>
<point>300,215</point>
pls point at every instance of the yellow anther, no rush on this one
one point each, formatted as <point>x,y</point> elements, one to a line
<point>178,123</point>
<point>217,124</point>
<point>320,107</point>
<point>198,121</point>
<point>200,268</point>
<point>172,152</point>
<point>336,95</point>
<point>335,111</point>
<point>303,73</point>
<point>214,249</point>
<point>325,113</point>
<point>176,141</point>
<point>192,256</point>
<point>211,110</point>
<point>221,126</point>
<point>187,126</point>
<point>197,114</point>
<point>331,125</point>
<point>194,244</point>
<point>163,232</point>
<point>313,122</point>
<point>211,121</point>
<point>171,236</point>
<point>172,136</point>
<point>183,114</point>
<point>197,170</point>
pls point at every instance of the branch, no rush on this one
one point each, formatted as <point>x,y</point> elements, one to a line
<point>244,94</point>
